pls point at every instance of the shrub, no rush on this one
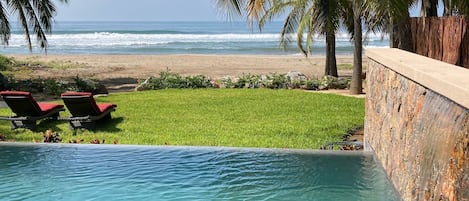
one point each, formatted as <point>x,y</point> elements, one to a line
<point>168,79</point>
<point>227,82</point>
<point>5,63</point>
<point>51,137</point>
<point>171,80</point>
<point>198,81</point>
<point>55,87</point>
<point>248,81</point>
<point>312,84</point>
<point>82,85</point>
<point>3,82</point>
<point>329,82</point>
<point>276,81</point>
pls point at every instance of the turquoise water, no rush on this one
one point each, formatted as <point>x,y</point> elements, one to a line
<point>94,172</point>
<point>173,38</point>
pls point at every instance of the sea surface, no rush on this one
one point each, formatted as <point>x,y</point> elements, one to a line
<point>113,172</point>
<point>220,37</point>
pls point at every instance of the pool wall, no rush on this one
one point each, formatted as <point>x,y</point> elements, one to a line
<point>417,123</point>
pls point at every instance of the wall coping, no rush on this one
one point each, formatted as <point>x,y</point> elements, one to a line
<point>448,80</point>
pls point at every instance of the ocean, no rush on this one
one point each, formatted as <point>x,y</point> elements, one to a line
<point>173,38</point>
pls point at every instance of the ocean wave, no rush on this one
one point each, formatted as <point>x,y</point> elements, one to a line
<point>110,42</point>
<point>131,38</point>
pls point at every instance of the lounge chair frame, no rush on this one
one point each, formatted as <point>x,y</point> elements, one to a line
<point>89,121</point>
<point>27,122</point>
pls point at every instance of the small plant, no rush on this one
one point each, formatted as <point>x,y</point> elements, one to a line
<point>3,137</point>
<point>55,87</point>
<point>83,85</point>
<point>5,63</point>
<point>3,82</point>
<point>329,82</point>
<point>51,137</point>
<point>97,141</point>
<point>313,84</point>
<point>76,141</point>
<point>227,82</point>
<point>277,81</point>
<point>171,80</point>
<point>248,81</point>
<point>198,81</point>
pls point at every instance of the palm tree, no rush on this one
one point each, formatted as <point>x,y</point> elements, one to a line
<point>356,86</point>
<point>308,17</point>
<point>32,14</point>
<point>391,16</point>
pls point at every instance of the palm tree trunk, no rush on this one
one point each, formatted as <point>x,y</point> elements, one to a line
<point>401,36</point>
<point>356,85</point>
<point>448,7</point>
<point>405,33</point>
<point>331,64</point>
<point>429,8</point>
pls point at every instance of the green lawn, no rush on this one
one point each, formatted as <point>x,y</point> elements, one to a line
<point>216,117</point>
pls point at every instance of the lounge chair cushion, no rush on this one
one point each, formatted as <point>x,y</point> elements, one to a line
<point>48,107</point>
<point>105,106</point>
<point>76,94</point>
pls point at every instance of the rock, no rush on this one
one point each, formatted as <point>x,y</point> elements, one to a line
<point>296,76</point>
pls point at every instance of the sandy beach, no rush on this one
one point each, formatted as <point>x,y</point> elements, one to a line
<point>129,69</point>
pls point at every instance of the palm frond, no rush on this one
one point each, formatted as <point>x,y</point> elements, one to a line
<point>231,8</point>
<point>5,30</point>
<point>18,8</point>
<point>35,22</point>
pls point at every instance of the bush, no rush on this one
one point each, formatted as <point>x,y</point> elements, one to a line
<point>5,63</point>
<point>3,82</point>
<point>50,86</point>
<point>82,85</point>
<point>198,81</point>
<point>248,81</point>
<point>171,80</point>
<point>277,81</point>
<point>55,87</point>
<point>329,82</point>
<point>227,82</point>
<point>313,84</point>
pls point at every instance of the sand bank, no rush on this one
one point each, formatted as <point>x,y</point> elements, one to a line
<point>127,69</point>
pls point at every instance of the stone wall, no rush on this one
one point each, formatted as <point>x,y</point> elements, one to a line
<point>417,123</point>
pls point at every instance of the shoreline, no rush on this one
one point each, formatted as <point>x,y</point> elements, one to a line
<point>130,69</point>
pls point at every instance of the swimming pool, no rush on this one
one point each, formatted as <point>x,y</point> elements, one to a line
<point>108,172</point>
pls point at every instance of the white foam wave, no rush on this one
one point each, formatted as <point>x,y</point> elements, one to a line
<point>105,42</point>
<point>112,39</point>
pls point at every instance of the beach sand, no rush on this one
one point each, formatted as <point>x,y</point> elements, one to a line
<point>129,69</point>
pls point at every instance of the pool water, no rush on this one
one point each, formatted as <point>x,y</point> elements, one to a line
<point>109,172</point>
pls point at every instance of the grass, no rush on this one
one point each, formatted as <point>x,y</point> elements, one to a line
<point>345,66</point>
<point>216,117</point>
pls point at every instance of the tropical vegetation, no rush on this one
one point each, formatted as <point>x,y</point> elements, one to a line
<point>213,117</point>
<point>324,17</point>
<point>35,16</point>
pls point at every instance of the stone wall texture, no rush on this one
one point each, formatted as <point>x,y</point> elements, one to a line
<point>420,136</point>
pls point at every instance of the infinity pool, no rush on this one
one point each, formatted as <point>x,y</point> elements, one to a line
<point>109,172</point>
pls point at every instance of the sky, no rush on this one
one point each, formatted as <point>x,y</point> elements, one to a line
<point>142,10</point>
<point>138,10</point>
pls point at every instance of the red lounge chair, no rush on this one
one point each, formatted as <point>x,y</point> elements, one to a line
<point>27,110</point>
<point>84,110</point>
